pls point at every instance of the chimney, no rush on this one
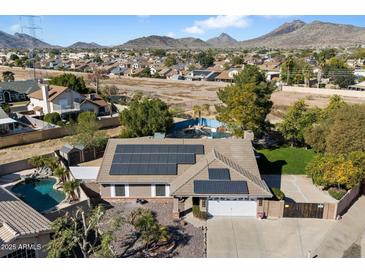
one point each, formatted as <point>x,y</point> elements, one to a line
<point>45,99</point>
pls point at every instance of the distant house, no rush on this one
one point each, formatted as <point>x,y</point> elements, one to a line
<point>16,90</point>
<point>21,225</point>
<point>7,124</point>
<point>201,75</point>
<point>117,71</point>
<point>360,86</point>
<point>63,100</point>
<point>59,99</point>
<point>94,103</point>
<point>227,75</point>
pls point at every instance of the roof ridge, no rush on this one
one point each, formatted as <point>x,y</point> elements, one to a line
<point>231,163</point>
<point>205,159</point>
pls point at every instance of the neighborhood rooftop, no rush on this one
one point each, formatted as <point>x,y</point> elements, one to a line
<point>17,219</point>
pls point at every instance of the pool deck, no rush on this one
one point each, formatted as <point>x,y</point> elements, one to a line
<point>14,178</point>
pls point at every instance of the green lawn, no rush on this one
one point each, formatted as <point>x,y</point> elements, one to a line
<point>284,160</point>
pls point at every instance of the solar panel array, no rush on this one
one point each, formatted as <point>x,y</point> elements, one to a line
<point>219,174</point>
<point>152,159</point>
<point>143,169</point>
<point>156,148</point>
<point>158,158</point>
<point>220,187</point>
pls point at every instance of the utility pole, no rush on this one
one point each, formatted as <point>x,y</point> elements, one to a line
<point>29,27</point>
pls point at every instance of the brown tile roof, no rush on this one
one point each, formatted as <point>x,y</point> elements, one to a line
<point>53,92</point>
<point>18,219</point>
<point>235,154</point>
<point>96,101</point>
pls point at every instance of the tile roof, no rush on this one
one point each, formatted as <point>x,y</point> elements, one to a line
<point>27,86</point>
<point>17,219</point>
<point>53,92</point>
<point>235,154</point>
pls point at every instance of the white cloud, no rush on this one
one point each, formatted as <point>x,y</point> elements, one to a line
<point>170,34</point>
<point>218,22</point>
<point>15,28</point>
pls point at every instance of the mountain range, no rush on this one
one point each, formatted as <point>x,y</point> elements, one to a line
<point>295,34</point>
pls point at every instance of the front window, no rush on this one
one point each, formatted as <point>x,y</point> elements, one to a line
<point>120,190</point>
<point>160,190</point>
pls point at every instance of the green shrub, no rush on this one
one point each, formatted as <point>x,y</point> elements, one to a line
<point>6,107</point>
<point>196,210</point>
<point>278,194</point>
<point>52,118</point>
<point>199,214</point>
<point>126,133</point>
<point>337,193</point>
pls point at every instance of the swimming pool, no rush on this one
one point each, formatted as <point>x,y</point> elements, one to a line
<point>39,194</point>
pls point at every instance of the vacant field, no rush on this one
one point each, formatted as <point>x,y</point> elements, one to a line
<point>284,160</point>
<point>185,94</point>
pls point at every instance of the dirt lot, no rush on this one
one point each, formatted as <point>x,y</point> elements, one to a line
<point>12,154</point>
<point>185,94</point>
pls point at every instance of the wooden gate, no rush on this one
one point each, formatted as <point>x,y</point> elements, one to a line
<point>303,210</point>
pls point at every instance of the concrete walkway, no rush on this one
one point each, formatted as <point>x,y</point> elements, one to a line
<point>344,233</point>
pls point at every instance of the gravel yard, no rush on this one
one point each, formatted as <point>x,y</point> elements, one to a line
<point>189,239</point>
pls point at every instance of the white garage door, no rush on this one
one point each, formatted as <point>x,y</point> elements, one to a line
<point>232,208</point>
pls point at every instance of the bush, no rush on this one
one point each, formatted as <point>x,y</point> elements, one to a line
<point>52,118</point>
<point>6,107</point>
<point>278,194</point>
<point>196,210</point>
<point>199,214</point>
<point>337,193</point>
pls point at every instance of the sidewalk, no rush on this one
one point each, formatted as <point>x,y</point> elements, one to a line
<point>344,233</point>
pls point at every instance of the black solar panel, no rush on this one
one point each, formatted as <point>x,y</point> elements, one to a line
<point>152,159</point>
<point>143,169</point>
<point>141,158</point>
<point>157,148</point>
<point>220,187</point>
<point>219,174</point>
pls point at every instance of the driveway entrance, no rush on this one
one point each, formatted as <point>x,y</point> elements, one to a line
<point>239,237</point>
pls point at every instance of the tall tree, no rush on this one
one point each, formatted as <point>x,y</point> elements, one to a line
<point>71,81</point>
<point>296,120</point>
<point>341,130</point>
<point>246,103</point>
<point>87,131</point>
<point>146,116</point>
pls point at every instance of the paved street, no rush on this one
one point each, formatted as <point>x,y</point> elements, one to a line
<point>346,231</point>
<point>252,238</point>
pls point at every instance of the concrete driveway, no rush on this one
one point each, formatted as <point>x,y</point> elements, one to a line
<point>298,188</point>
<point>238,237</point>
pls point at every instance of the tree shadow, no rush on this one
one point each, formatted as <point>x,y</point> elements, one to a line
<point>267,167</point>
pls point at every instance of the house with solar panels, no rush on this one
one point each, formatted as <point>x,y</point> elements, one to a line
<point>221,175</point>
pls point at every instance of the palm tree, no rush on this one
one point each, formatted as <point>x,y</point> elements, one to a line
<point>197,111</point>
<point>61,173</point>
<point>69,188</point>
<point>152,233</point>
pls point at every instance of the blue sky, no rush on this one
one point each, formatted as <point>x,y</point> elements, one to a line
<point>114,30</point>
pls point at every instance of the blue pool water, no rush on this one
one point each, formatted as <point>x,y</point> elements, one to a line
<point>39,194</point>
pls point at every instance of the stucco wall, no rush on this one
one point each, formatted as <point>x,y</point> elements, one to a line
<point>41,135</point>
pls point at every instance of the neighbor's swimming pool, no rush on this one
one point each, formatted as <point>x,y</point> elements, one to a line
<point>39,194</point>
